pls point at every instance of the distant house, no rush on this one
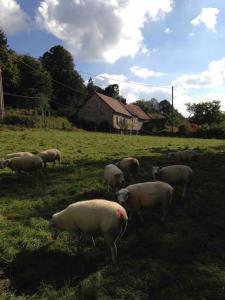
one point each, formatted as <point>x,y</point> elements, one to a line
<point>107,114</point>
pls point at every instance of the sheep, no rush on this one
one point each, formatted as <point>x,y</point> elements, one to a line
<point>18,154</point>
<point>183,156</point>
<point>175,174</point>
<point>50,155</point>
<point>129,166</point>
<point>23,163</point>
<point>95,217</point>
<point>146,195</point>
<point>113,176</point>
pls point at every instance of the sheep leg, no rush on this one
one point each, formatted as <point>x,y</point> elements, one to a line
<point>112,246</point>
<point>184,190</point>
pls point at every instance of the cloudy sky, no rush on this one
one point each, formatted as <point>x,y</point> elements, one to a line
<point>145,46</point>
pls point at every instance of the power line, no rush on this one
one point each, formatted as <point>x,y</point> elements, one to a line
<point>60,83</point>
<point>125,81</point>
<point>21,96</point>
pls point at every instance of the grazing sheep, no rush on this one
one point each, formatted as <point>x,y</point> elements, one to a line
<point>146,195</point>
<point>23,163</point>
<point>50,155</point>
<point>95,217</point>
<point>129,166</point>
<point>183,156</point>
<point>176,174</point>
<point>113,176</point>
<point>18,154</point>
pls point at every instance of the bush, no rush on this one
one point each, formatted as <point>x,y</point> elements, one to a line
<point>32,120</point>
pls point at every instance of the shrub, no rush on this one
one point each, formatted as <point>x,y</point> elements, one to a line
<point>30,119</point>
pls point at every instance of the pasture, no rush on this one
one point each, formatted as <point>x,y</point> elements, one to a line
<point>183,259</point>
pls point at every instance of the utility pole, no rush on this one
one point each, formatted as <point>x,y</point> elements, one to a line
<point>172,112</point>
<point>2,111</point>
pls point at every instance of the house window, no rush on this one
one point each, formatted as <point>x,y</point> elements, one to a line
<point>117,120</point>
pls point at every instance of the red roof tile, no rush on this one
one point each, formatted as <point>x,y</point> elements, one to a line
<point>137,111</point>
<point>114,104</point>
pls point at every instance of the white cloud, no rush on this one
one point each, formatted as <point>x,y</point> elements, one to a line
<point>101,29</point>
<point>167,30</point>
<point>214,76</point>
<point>208,17</point>
<point>132,91</point>
<point>12,17</point>
<point>144,72</point>
<point>191,34</point>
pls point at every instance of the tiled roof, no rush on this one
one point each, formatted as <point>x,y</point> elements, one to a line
<point>137,111</point>
<point>114,104</point>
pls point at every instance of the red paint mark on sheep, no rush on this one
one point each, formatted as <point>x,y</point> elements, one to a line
<point>120,214</point>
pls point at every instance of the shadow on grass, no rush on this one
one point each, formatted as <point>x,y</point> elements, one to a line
<point>31,268</point>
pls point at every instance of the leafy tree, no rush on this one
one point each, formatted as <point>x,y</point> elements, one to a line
<point>148,106</point>
<point>34,81</point>
<point>112,90</point>
<point>205,112</point>
<point>69,91</point>
<point>8,64</point>
<point>91,88</point>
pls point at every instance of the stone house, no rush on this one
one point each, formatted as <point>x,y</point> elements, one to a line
<point>108,114</point>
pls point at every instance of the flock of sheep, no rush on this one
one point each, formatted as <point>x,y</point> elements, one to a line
<point>109,218</point>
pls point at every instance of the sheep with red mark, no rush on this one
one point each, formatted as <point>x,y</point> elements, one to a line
<point>137,196</point>
<point>175,174</point>
<point>50,155</point>
<point>113,176</point>
<point>129,166</point>
<point>94,217</point>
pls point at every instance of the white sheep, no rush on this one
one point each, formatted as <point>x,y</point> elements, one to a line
<point>129,166</point>
<point>113,176</point>
<point>23,163</point>
<point>18,154</point>
<point>50,155</point>
<point>94,217</point>
<point>184,156</point>
<point>175,174</point>
<point>146,195</point>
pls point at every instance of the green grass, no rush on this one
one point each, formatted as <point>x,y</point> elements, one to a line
<point>182,259</point>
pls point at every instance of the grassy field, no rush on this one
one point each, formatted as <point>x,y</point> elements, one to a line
<point>183,259</point>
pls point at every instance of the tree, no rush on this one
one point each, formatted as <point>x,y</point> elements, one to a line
<point>205,112</point>
<point>148,106</point>
<point>69,91</point>
<point>8,64</point>
<point>34,81</point>
<point>112,90</point>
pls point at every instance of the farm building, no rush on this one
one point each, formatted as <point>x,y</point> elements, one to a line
<point>108,114</point>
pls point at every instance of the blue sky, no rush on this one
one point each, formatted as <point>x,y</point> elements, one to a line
<point>143,45</point>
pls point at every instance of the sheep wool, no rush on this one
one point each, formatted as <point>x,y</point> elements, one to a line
<point>147,195</point>
<point>95,217</point>
<point>185,155</point>
<point>23,163</point>
<point>18,154</point>
<point>50,155</point>
<point>129,165</point>
<point>175,174</point>
<point>113,176</point>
